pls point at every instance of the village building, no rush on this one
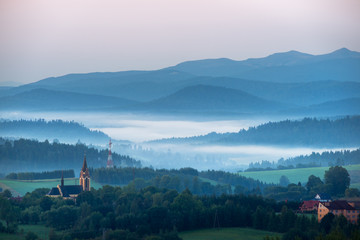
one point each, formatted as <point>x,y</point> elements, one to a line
<point>339,207</point>
<point>72,191</point>
<point>309,206</point>
<point>312,205</point>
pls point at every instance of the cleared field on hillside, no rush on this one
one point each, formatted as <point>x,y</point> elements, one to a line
<point>227,234</point>
<point>300,174</point>
<point>21,187</point>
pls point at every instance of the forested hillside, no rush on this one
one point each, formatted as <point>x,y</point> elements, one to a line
<point>344,132</point>
<point>30,155</point>
<point>40,129</point>
<point>327,158</point>
<point>184,178</point>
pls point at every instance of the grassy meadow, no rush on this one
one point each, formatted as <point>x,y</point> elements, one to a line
<point>301,174</point>
<point>227,234</point>
<point>21,187</point>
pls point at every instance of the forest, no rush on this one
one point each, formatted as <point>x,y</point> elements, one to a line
<point>184,178</point>
<point>326,158</point>
<point>213,182</point>
<point>41,175</point>
<point>61,131</point>
<point>31,155</point>
<point>343,132</point>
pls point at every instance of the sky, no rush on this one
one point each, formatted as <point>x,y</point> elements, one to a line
<point>42,38</point>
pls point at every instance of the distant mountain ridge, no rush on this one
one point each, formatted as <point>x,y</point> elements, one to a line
<point>291,82</point>
<point>290,66</point>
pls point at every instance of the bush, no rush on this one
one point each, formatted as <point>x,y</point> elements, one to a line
<point>31,236</point>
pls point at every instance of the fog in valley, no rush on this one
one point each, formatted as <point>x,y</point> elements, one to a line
<point>133,135</point>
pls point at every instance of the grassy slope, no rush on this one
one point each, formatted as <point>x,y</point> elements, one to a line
<point>300,174</point>
<point>226,234</point>
<point>22,187</point>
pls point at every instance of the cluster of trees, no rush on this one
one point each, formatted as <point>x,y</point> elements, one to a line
<point>41,175</point>
<point>64,131</point>
<point>158,213</point>
<point>336,183</point>
<point>25,155</point>
<point>213,182</point>
<point>184,178</point>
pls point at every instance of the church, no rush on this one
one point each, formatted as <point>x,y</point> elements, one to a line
<point>72,191</point>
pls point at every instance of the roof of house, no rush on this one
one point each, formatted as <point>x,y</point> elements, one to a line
<point>309,204</point>
<point>338,205</point>
<point>66,190</point>
<point>54,191</point>
<point>70,190</point>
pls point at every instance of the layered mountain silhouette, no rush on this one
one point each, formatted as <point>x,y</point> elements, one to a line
<point>341,65</point>
<point>287,83</point>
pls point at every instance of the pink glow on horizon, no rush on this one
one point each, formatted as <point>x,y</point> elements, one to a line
<point>49,38</point>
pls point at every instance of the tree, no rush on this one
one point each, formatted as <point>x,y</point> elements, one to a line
<point>6,193</point>
<point>352,192</point>
<point>313,182</point>
<point>338,180</point>
<point>31,236</point>
<point>46,203</point>
<point>8,214</point>
<point>284,181</point>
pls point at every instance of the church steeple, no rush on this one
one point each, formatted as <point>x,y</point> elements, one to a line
<point>84,167</point>
<point>62,178</point>
<point>85,176</point>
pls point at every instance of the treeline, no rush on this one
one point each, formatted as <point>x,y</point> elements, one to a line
<point>154,213</point>
<point>314,132</point>
<point>343,132</point>
<point>327,158</point>
<point>41,175</point>
<point>211,182</point>
<point>184,178</point>
<point>24,155</point>
<point>63,131</point>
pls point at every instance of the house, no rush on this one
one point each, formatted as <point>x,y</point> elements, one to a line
<point>309,206</point>
<point>72,191</point>
<point>339,207</point>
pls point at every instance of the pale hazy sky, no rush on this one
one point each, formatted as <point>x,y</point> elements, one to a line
<point>43,38</point>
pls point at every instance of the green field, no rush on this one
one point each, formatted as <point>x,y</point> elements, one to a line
<point>227,234</point>
<point>18,187</point>
<point>300,174</point>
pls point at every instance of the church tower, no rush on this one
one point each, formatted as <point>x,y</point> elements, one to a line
<point>85,176</point>
<point>110,163</point>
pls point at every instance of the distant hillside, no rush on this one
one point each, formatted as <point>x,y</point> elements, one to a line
<point>133,85</point>
<point>33,156</point>
<point>343,132</point>
<point>63,131</point>
<point>302,94</point>
<point>210,98</point>
<point>43,99</point>
<point>341,65</point>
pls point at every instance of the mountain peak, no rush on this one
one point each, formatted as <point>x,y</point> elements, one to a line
<point>344,52</point>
